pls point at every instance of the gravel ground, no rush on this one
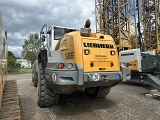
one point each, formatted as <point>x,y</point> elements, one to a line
<point>125,102</point>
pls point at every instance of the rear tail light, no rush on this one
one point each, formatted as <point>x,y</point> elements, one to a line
<point>60,66</point>
<point>127,64</point>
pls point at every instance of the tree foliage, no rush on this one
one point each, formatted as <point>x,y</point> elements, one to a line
<point>13,65</point>
<point>31,47</point>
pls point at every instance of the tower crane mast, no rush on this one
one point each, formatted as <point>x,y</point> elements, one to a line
<point>151,23</point>
<point>112,17</point>
<point>133,24</point>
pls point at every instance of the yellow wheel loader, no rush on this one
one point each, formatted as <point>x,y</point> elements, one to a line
<point>70,59</point>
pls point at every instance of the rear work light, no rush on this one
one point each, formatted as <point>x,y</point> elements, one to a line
<point>60,66</point>
<point>112,53</point>
<point>86,52</point>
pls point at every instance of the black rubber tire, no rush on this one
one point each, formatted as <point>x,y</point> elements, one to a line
<point>92,91</point>
<point>99,92</point>
<point>103,91</point>
<point>46,97</point>
<point>35,79</point>
<point>34,75</point>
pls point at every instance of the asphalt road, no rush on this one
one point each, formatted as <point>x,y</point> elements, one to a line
<point>125,102</point>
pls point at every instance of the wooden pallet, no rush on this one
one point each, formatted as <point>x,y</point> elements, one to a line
<point>10,109</point>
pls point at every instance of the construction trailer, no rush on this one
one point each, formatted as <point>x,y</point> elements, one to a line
<point>135,27</point>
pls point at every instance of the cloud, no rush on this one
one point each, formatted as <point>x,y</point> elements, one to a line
<point>16,50</point>
<point>23,17</point>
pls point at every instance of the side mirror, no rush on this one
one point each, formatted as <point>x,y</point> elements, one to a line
<point>43,38</point>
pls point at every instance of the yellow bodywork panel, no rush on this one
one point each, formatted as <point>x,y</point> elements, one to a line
<point>67,48</point>
<point>134,65</point>
<point>95,52</point>
<point>99,59</point>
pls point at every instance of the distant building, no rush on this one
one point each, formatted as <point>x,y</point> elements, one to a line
<point>24,63</point>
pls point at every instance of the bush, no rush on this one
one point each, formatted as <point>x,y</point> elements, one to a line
<point>13,65</point>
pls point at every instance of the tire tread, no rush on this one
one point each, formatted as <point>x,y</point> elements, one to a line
<point>46,98</point>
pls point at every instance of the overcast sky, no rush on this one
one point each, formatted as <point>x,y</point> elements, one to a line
<point>22,17</point>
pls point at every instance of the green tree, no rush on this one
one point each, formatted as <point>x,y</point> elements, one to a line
<point>31,47</point>
<point>13,65</point>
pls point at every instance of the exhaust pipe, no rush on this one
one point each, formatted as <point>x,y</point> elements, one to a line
<point>87,24</point>
<point>86,30</point>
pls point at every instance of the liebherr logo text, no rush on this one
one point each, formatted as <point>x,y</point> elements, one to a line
<point>96,45</point>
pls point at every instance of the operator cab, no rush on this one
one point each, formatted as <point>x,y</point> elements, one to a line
<point>55,33</point>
